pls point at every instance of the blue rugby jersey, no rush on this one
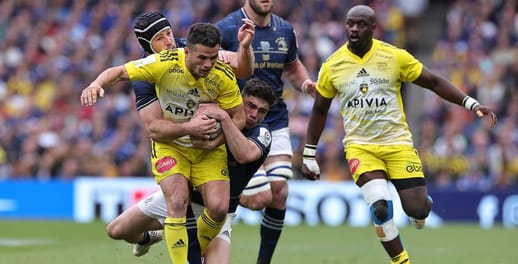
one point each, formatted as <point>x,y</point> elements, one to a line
<point>274,47</point>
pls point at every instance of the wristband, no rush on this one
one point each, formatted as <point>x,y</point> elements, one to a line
<point>310,151</point>
<point>470,103</point>
<point>304,87</point>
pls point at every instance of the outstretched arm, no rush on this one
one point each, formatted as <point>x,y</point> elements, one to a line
<point>109,77</point>
<point>449,92</point>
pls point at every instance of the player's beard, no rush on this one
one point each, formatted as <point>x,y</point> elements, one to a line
<point>255,5</point>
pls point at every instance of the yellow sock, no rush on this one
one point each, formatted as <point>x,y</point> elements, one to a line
<point>402,258</point>
<point>208,229</point>
<point>175,234</point>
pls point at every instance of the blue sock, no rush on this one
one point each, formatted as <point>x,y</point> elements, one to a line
<point>271,228</point>
<point>194,253</point>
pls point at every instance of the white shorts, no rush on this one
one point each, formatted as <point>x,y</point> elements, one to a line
<point>258,183</point>
<point>281,142</point>
<point>155,207</point>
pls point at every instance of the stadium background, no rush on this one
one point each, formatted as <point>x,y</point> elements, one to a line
<point>51,49</point>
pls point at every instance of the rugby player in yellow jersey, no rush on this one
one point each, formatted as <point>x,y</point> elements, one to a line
<point>366,75</point>
<point>184,78</point>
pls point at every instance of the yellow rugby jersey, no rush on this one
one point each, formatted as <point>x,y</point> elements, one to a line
<point>369,90</point>
<point>177,90</point>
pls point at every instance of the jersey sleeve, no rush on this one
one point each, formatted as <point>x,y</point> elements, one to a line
<point>262,137</point>
<point>324,85</point>
<point>147,69</point>
<point>410,67</point>
<point>293,48</point>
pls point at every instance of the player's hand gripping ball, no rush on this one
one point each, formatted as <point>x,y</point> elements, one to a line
<point>218,131</point>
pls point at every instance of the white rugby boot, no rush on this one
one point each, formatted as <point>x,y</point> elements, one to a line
<point>155,236</point>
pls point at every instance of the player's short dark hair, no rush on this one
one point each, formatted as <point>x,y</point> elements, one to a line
<point>204,34</point>
<point>147,25</point>
<point>260,89</point>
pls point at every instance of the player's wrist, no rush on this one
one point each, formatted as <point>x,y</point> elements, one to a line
<point>304,86</point>
<point>470,103</point>
<point>310,151</point>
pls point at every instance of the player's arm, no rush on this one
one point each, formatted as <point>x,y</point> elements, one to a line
<point>242,61</point>
<point>449,92</point>
<point>157,127</point>
<point>243,149</point>
<point>108,77</point>
<point>298,76</point>
<point>245,54</point>
<point>317,122</point>
<point>163,130</point>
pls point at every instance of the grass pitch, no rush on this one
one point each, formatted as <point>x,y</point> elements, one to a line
<point>56,242</point>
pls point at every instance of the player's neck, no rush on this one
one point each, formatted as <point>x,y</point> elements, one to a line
<point>261,21</point>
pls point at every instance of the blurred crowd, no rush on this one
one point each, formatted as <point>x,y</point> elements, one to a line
<point>51,49</point>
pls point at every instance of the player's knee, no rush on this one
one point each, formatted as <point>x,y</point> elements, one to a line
<point>257,201</point>
<point>419,212</point>
<point>218,211</point>
<point>114,231</point>
<point>380,211</point>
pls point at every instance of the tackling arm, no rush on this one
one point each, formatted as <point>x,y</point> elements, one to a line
<point>108,77</point>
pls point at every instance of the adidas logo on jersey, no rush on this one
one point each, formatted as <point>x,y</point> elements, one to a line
<point>179,243</point>
<point>193,92</point>
<point>362,73</point>
<point>226,233</point>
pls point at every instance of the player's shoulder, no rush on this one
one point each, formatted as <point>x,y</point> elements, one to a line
<point>387,47</point>
<point>232,19</point>
<point>170,55</point>
<point>280,23</point>
<point>260,133</point>
<point>224,70</point>
<point>340,55</point>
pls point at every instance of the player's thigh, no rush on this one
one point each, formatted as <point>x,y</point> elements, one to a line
<point>170,159</point>
<point>363,158</point>
<point>402,162</point>
<point>210,166</point>
<point>281,143</point>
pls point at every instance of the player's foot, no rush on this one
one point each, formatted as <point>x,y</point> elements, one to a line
<point>402,258</point>
<point>419,223</point>
<point>154,237</point>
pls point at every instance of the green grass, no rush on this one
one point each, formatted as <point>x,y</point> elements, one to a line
<point>55,242</point>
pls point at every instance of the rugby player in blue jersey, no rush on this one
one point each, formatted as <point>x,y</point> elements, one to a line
<point>366,74</point>
<point>276,56</point>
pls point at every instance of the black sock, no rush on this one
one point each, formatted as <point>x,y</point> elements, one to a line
<point>145,239</point>
<point>194,253</point>
<point>271,228</point>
